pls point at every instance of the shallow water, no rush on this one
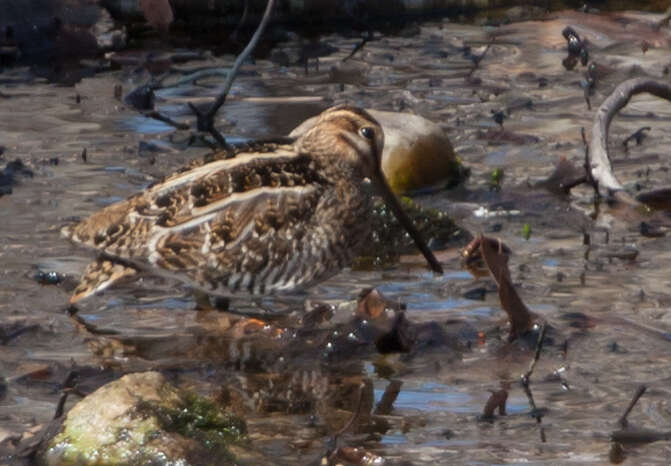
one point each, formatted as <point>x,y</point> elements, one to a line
<point>620,344</point>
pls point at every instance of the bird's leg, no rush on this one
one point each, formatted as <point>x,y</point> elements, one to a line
<point>222,304</point>
<point>73,312</point>
<point>203,302</point>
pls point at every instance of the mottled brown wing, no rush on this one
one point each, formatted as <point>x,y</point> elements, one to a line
<point>257,245</point>
<point>124,229</point>
<point>214,222</point>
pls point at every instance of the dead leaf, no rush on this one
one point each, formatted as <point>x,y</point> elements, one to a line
<point>495,255</point>
<point>371,304</point>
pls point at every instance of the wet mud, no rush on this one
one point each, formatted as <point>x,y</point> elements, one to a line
<point>418,364</point>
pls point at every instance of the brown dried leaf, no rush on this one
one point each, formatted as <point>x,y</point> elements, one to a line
<point>371,304</point>
<point>494,254</point>
<point>158,13</point>
<point>472,256</point>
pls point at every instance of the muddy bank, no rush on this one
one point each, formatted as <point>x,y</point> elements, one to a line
<point>513,112</point>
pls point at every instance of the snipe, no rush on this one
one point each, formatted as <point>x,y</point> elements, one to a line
<point>256,224</point>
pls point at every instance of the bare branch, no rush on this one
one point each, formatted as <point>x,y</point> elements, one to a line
<point>221,98</point>
<point>600,166</point>
<point>205,119</point>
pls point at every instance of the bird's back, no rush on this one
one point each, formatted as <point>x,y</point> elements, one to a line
<point>258,223</point>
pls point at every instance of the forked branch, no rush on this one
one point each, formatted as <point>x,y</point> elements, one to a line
<point>205,119</point>
<point>599,161</point>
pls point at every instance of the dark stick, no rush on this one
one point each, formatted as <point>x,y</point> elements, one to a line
<point>61,404</point>
<point>205,120</point>
<point>637,135</point>
<point>535,412</point>
<point>537,354</point>
<point>355,416</point>
<point>160,117</point>
<point>476,60</point>
<point>639,393</point>
<point>386,404</point>
<point>360,45</point>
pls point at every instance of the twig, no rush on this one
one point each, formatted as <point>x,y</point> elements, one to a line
<point>535,412</point>
<point>637,135</point>
<point>359,46</point>
<point>388,398</point>
<point>476,59</point>
<point>194,76</point>
<point>599,161</point>
<point>61,404</point>
<point>638,394</point>
<point>355,416</point>
<point>205,120</point>
<point>160,117</point>
<point>333,452</point>
<point>537,354</point>
<point>67,386</point>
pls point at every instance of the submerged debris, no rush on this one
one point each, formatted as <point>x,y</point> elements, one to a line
<point>9,176</point>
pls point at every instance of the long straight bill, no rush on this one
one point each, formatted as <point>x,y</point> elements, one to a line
<point>395,205</point>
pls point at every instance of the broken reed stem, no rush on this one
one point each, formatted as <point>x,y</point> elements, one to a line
<point>638,394</point>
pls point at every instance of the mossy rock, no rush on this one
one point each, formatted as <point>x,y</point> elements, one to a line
<point>142,419</point>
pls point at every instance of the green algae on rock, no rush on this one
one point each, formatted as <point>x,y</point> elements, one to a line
<point>142,419</point>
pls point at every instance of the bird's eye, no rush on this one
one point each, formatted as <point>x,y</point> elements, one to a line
<point>367,132</point>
